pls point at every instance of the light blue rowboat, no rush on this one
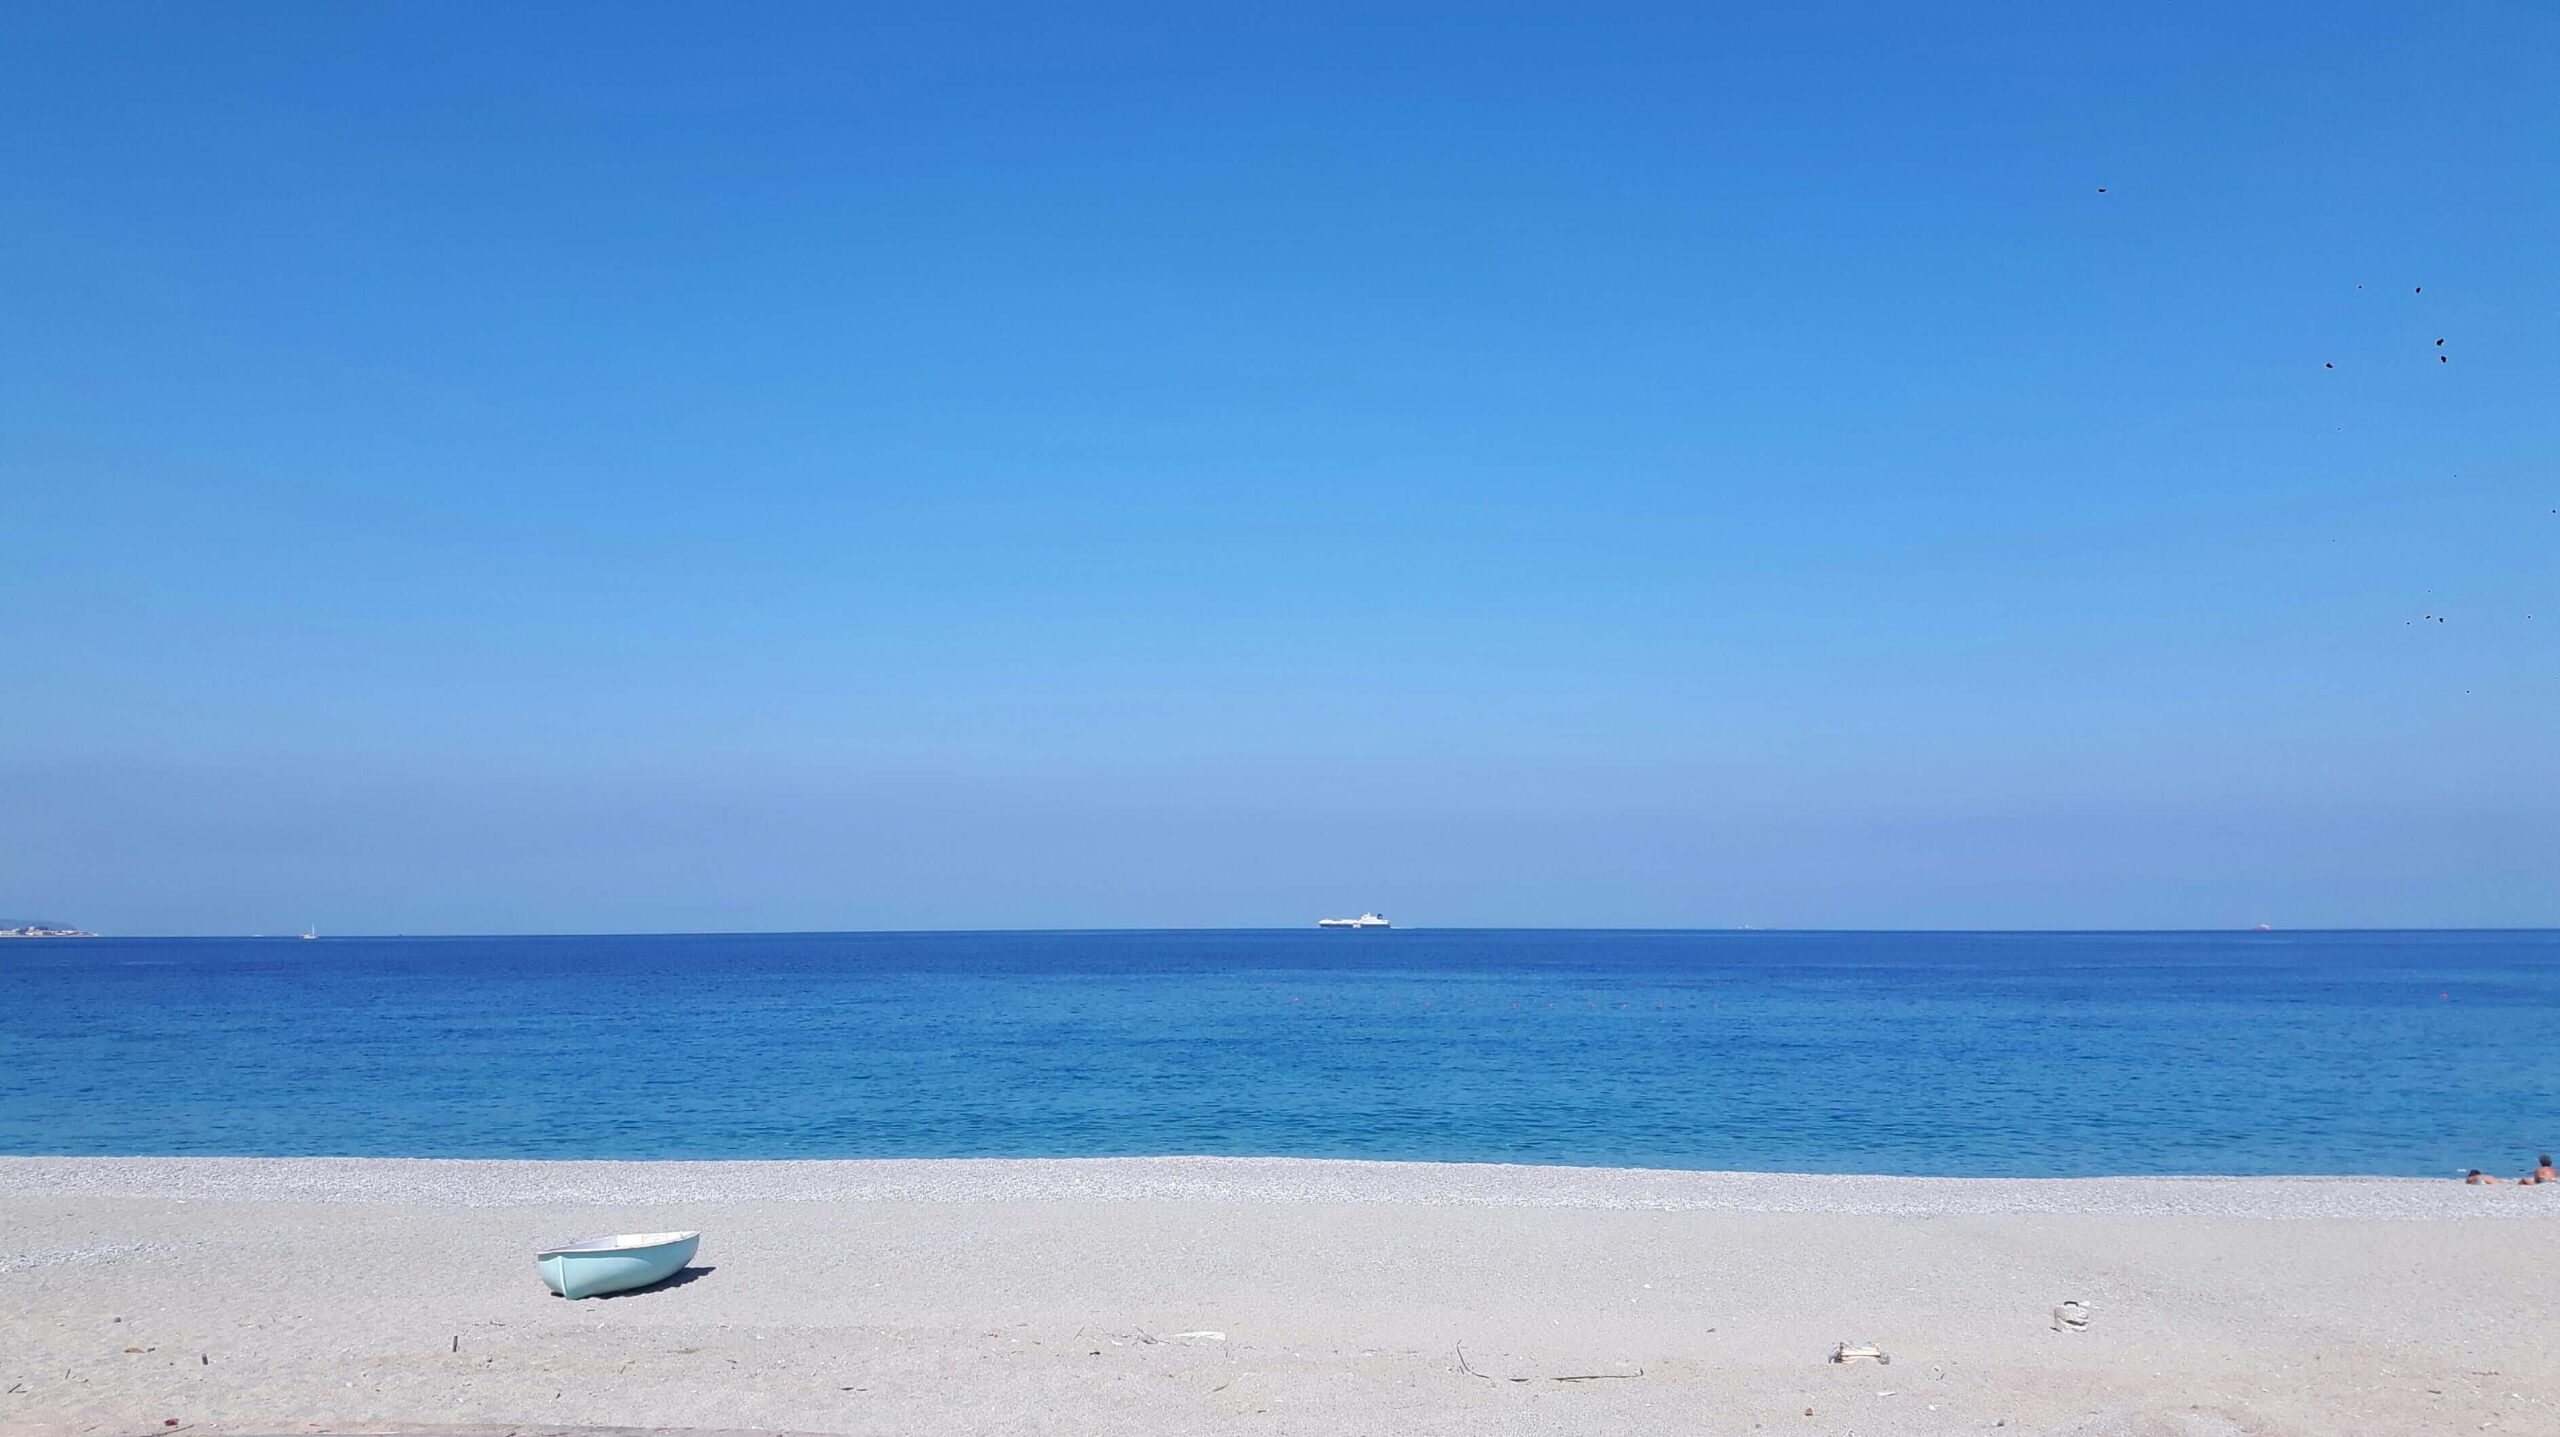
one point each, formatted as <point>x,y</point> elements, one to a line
<point>594,1265</point>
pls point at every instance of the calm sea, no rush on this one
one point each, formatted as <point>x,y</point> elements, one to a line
<point>2013,1053</point>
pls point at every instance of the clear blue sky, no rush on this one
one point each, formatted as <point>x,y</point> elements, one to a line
<point>951,466</point>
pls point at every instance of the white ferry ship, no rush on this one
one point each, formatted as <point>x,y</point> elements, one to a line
<point>1365,920</point>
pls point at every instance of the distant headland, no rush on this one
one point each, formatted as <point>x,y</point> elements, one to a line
<point>12,928</point>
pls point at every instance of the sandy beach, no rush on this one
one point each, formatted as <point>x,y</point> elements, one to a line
<point>1185,1295</point>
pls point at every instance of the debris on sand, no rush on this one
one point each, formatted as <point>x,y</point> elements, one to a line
<point>1469,1368</point>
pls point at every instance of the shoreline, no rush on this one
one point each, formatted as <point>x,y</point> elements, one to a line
<point>1161,1297</point>
<point>516,1182</point>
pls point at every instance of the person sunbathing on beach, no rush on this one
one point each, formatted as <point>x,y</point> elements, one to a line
<point>2541,1173</point>
<point>2481,1179</point>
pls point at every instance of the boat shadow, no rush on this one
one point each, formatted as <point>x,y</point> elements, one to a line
<point>677,1278</point>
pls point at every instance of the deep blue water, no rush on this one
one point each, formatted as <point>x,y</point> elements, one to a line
<point>1911,1052</point>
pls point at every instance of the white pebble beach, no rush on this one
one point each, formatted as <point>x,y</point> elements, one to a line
<point>1193,1295</point>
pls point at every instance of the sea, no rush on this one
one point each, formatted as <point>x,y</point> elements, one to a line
<point>2029,1054</point>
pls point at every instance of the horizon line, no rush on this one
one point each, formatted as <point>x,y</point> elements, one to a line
<point>1736,930</point>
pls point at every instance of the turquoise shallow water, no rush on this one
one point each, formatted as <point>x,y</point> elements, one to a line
<point>2031,1054</point>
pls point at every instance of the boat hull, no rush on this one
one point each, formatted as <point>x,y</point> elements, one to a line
<point>587,1271</point>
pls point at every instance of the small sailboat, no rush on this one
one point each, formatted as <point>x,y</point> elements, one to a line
<point>594,1265</point>
<point>311,930</point>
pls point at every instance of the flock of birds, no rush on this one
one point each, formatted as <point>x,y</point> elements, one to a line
<point>2441,358</point>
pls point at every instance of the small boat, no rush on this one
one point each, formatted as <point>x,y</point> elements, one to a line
<point>594,1265</point>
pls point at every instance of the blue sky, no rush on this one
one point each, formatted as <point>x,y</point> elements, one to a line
<point>770,467</point>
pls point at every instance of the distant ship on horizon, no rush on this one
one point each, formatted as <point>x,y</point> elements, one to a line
<point>1365,920</point>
